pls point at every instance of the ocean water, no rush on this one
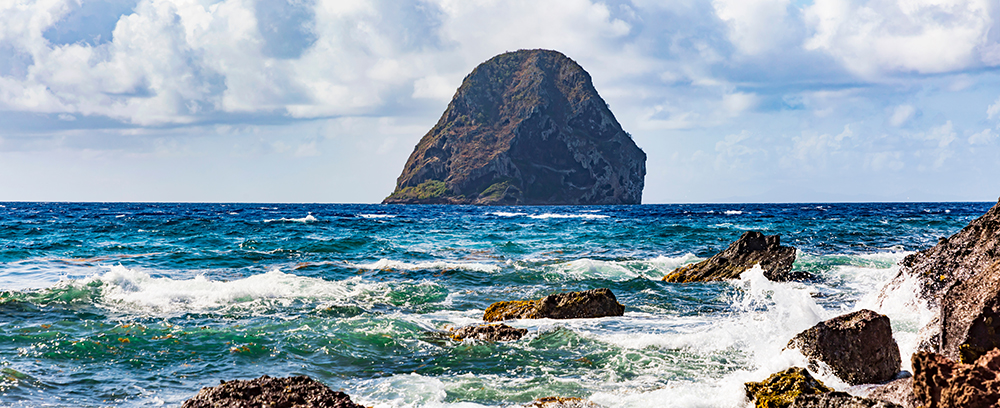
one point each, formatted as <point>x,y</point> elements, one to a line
<point>138,305</point>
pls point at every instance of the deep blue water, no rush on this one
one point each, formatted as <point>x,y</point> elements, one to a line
<point>142,304</point>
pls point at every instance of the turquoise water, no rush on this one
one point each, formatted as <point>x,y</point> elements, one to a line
<point>123,305</point>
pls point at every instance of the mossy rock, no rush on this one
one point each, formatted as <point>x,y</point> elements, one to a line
<point>571,305</point>
<point>428,190</point>
<point>781,388</point>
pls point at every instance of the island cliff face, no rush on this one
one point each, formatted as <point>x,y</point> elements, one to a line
<point>525,128</point>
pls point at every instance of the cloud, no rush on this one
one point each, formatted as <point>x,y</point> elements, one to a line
<point>985,137</point>
<point>756,26</point>
<point>874,38</point>
<point>901,114</point>
<point>993,110</point>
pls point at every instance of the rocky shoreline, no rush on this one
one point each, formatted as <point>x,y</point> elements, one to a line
<point>958,364</point>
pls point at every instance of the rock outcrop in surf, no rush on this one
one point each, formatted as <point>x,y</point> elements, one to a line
<point>570,305</point>
<point>489,332</point>
<point>781,388</point>
<point>288,392</point>
<point>857,346</point>
<point>524,128</point>
<point>959,279</point>
<point>751,249</point>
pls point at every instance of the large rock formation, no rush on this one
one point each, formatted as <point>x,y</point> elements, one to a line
<point>288,392</point>
<point>969,256</point>
<point>525,128</point>
<point>970,316</point>
<point>858,347</point>
<point>752,248</point>
<point>571,305</point>
<point>781,388</point>
<point>939,382</point>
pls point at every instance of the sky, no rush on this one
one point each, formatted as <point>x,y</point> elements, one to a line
<point>324,100</point>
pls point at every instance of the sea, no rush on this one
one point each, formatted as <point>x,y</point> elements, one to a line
<point>143,304</point>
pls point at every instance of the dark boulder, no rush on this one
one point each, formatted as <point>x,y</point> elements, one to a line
<point>899,392</point>
<point>858,347</point>
<point>524,128</point>
<point>751,249</point>
<point>781,388</point>
<point>287,392</point>
<point>838,400</point>
<point>939,382</point>
<point>570,305</point>
<point>489,332</point>
<point>940,272</point>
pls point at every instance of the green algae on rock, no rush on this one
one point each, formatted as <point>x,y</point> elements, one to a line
<point>525,128</point>
<point>571,305</point>
<point>781,388</point>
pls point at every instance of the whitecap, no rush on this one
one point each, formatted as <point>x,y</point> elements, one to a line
<point>376,216</point>
<point>733,212</point>
<point>307,218</point>
<point>507,214</point>
<point>586,268</point>
<point>551,215</point>
<point>386,264</point>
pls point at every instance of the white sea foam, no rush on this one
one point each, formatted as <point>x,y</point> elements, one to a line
<point>433,265</point>
<point>132,291</point>
<point>654,268</point>
<point>376,216</point>
<point>584,216</point>
<point>507,214</point>
<point>307,218</point>
<point>733,212</point>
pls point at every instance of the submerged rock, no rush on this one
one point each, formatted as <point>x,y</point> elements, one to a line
<point>489,332</point>
<point>838,400</point>
<point>858,347</point>
<point>571,305</point>
<point>288,392</point>
<point>561,402</point>
<point>969,256</point>
<point>780,389</point>
<point>939,382</point>
<point>751,249</point>
<point>524,128</point>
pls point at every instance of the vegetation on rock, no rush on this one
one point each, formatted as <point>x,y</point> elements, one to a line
<point>571,305</point>
<point>780,389</point>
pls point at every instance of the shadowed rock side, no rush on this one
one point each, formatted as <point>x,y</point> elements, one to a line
<point>968,256</point>
<point>858,347</point>
<point>942,383</point>
<point>288,392</point>
<point>970,312</point>
<point>571,305</point>
<point>780,389</point>
<point>489,332</point>
<point>838,400</point>
<point>752,248</point>
<point>524,128</point>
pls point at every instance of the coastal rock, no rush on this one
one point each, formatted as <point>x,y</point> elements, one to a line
<point>571,305</point>
<point>524,128</point>
<point>780,389</point>
<point>858,347</point>
<point>561,402</point>
<point>939,382</point>
<point>899,392</point>
<point>837,399</point>
<point>489,332</point>
<point>963,257</point>
<point>752,248</point>
<point>287,392</point>
<point>970,316</point>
